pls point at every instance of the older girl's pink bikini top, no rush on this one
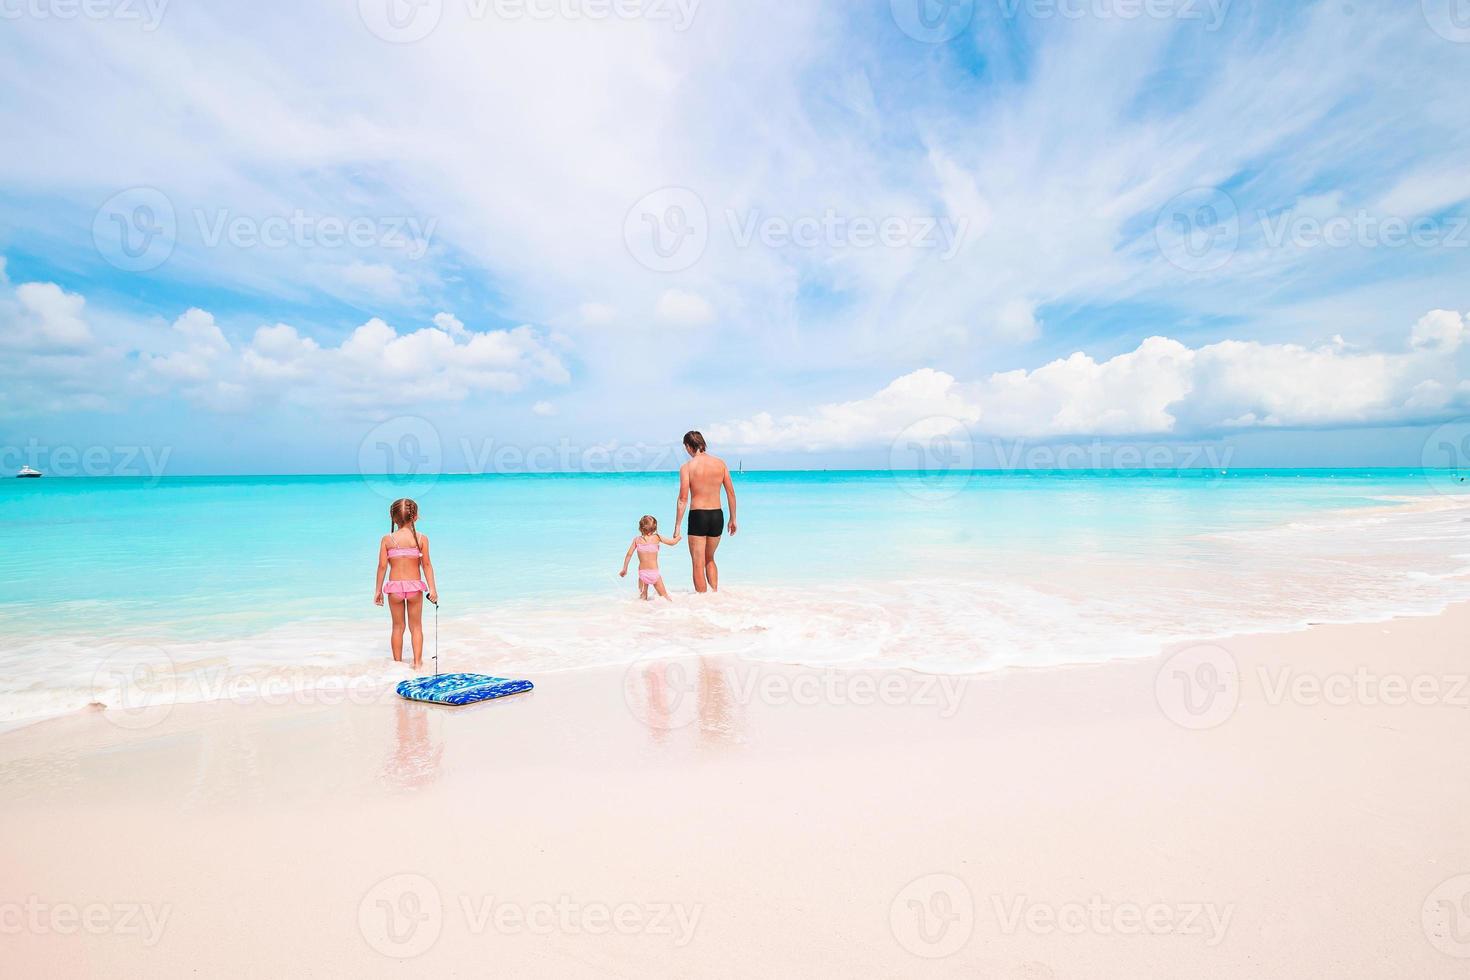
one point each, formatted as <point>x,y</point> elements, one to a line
<point>404,553</point>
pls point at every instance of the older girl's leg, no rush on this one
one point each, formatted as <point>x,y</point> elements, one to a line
<point>416,628</point>
<point>395,606</point>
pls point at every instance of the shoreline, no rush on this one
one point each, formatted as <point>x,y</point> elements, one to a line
<point>1293,820</point>
<point>290,683</point>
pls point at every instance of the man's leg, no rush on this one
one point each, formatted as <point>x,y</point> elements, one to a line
<point>696,559</point>
<point>711,572</point>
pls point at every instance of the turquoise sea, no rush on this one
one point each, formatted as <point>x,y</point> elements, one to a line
<point>951,572</point>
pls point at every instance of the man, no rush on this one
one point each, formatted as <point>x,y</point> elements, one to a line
<point>700,481</point>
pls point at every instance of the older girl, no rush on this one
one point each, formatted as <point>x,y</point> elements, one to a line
<point>404,555</point>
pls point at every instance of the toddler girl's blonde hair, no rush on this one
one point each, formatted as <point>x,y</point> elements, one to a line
<point>647,524</point>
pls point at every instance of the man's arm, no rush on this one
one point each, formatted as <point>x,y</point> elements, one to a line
<point>683,498</point>
<point>730,495</point>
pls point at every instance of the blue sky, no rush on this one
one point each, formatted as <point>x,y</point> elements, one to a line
<point>274,238</point>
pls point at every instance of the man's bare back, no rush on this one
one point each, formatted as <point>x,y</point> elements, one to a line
<point>700,482</point>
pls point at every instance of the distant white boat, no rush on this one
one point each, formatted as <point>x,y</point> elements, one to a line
<point>26,471</point>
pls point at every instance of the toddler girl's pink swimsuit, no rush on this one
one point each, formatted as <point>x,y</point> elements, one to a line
<point>647,576</point>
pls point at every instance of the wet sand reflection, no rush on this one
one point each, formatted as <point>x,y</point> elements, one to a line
<point>669,695</point>
<point>414,761</point>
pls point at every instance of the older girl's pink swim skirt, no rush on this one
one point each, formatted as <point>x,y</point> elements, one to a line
<point>404,590</point>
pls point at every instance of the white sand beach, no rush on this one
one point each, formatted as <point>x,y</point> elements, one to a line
<point>1296,812</point>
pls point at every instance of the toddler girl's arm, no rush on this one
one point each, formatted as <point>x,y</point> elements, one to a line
<point>382,570</point>
<point>674,540</point>
<point>627,558</point>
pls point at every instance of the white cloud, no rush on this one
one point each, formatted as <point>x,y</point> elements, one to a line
<point>1161,387</point>
<point>194,359</point>
<point>1439,330</point>
<point>680,308</point>
<point>596,314</point>
<point>450,324</point>
<point>204,344</point>
<point>47,320</point>
<point>544,409</point>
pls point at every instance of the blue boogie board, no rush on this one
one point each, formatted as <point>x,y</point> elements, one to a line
<point>460,689</point>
